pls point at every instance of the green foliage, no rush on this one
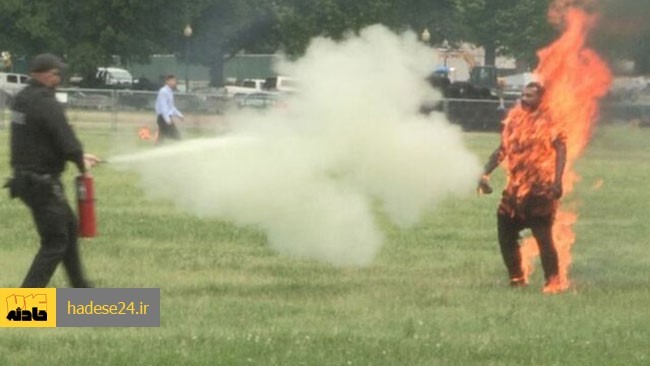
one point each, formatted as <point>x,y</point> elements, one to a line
<point>440,17</point>
<point>512,27</point>
<point>527,31</point>
<point>300,20</point>
<point>90,32</point>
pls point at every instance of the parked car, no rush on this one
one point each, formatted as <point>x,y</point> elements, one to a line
<point>114,77</point>
<point>246,86</point>
<point>255,84</point>
<point>105,78</point>
<point>262,100</point>
<point>10,85</point>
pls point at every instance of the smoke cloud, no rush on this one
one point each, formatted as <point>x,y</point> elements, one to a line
<point>311,174</point>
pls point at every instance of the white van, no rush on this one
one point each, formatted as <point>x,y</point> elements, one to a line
<point>113,76</point>
<point>245,87</point>
<point>255,84</point>
<point>12,83</point>
<point>280,84</point>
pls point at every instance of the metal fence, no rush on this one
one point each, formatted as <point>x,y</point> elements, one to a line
<point>113,109</point>
<point>126,107</point>
<point>472,114</point>
<point>119,108</point>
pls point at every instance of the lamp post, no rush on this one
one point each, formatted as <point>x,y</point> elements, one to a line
<point>187,32</point>
<point>445,48</point>
<point>425,36</point>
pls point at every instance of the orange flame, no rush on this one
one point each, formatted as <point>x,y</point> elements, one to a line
<point>144,134</point>
<point>575,78</point>
<point>598,184</point>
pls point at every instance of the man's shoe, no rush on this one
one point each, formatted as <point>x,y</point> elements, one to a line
<point>518,282</point>
<point>555,285</point>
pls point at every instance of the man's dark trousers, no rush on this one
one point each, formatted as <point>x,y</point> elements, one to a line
<point>57,228</point>
<point>166,130</point>
<point>509,226</point>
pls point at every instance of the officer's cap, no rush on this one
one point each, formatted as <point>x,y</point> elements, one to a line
<point>46,62</point>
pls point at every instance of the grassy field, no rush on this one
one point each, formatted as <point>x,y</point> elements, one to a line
<point>436,295</point>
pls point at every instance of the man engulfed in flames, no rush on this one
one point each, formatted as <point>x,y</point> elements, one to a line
<point>542,138</point>
<point>533,150</point>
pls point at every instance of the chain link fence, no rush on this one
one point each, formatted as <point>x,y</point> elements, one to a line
<point>130,107</point>
<point>634,110</point>
<point>121,109</point>
<point>116,109</point>
<point>472,114</point>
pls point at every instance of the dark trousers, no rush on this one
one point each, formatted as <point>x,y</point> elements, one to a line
<point>166,130</point>
<point>542,228</point>
<point>57,228</point>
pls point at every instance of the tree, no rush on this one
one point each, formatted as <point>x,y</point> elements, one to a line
<point>513,27</point>
<point>87,33</point>
<point>225,27</point>
<point>301,20</point>
<point>527,30</point>
<point>96,30</point>
<point>440,17</point>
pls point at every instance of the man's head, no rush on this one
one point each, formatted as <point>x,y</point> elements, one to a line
<point>532,96</point>
<point>170,80</point>
<point>46,69</point>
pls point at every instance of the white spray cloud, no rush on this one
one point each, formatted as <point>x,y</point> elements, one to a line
<point>309,174</point>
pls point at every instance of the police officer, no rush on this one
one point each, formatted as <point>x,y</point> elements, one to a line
<point>41,143</point>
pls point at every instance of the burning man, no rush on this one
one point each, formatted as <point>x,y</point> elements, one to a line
<point>534,154</point>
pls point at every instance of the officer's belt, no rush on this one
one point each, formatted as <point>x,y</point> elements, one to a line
<point>41,177</point>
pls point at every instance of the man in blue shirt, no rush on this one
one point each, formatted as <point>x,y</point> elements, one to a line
<point>166,111</point>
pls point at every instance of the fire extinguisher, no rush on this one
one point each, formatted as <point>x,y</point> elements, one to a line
<point>86,206</point>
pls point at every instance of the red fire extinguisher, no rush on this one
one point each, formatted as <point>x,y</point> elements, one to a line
<point>86,206</point>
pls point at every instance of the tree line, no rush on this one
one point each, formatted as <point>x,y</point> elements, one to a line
<point>91,32</point>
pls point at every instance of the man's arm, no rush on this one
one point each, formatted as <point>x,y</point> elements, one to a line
<point>559,144</point>
<point>173,111</point>
<point>170,107</point>
<point>495,159</point>
<point>167,104</point>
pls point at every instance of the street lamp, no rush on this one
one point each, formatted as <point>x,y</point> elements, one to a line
<point>425,35</point>
<point>445,49</point>
<point>187,32</point>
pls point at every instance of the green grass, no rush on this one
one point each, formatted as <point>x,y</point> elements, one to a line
<point>436,295</point>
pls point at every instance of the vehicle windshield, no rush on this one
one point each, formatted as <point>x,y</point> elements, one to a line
<point>121,75</point>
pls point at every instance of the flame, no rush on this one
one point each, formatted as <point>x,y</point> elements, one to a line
<point>145,134</point>
<point>575,78</point>
<point>598,184</point>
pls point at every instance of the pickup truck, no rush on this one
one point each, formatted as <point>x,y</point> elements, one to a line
<point>246,86</point>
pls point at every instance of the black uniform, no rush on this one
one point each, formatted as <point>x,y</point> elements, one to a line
<point>41,143</point>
